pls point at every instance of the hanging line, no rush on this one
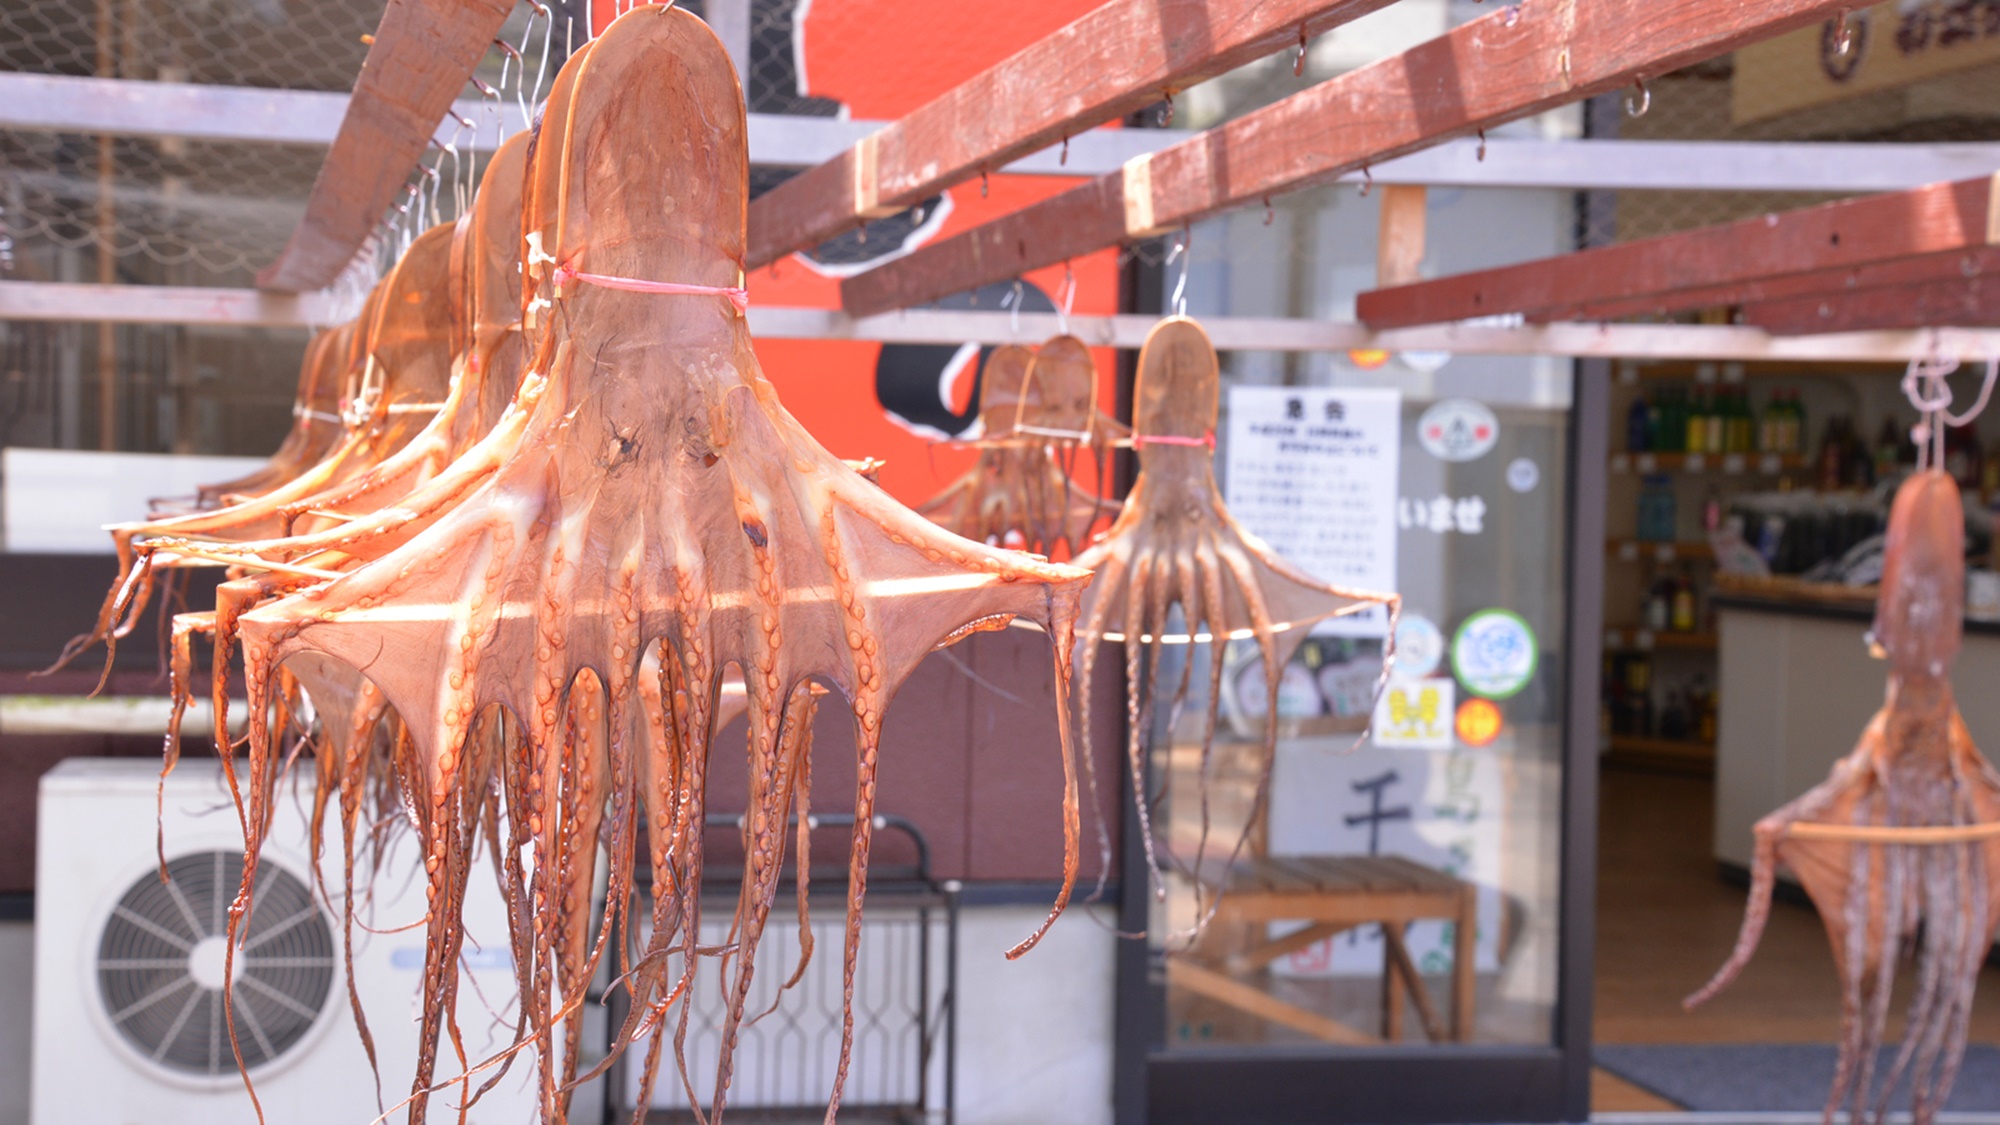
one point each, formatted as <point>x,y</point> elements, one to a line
<point>1925,386</point>
<point>1068,300</point>
<point>1012,302</point>
<point>738,295</point>
<point>1180,251</point>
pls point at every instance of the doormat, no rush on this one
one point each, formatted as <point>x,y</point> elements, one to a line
<point>1778,1077</point>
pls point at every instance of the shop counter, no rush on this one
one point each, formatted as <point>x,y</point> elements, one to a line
<point>1797,687</point>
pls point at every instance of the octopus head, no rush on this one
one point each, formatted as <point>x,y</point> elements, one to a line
<point>1920,615</point>
<point>1178,385</point>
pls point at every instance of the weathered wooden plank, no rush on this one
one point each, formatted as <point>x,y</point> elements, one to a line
<point>1701,265</point>
<point>1118,58</point>
<point>1399,236</point>
<point>1949,266</point>
<point>1954,302</point>
<point>1509,64</point>
<point>424,51</point>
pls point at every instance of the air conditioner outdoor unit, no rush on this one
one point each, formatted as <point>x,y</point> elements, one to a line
<point>129,1025</point>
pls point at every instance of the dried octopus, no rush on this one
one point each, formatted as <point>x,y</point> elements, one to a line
<point>556,616</point>
<point>1038,414</point>
<point>1175,546</point>
<point>1900,847</point>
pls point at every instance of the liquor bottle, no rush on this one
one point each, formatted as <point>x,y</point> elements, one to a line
<point>1831,457</point>
<point>1888,449</point>
<point>1717,423</point>
<point>1638,425</point>
<point>1683,604</point>
<point>1697,425</point>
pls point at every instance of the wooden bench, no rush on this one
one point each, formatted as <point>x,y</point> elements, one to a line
<point>1333,894</point>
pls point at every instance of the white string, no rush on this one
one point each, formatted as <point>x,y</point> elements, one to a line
<point>1925,386</point>
<point>1180,251</point>
<point>1012,302</point>
<point>1068,301</point>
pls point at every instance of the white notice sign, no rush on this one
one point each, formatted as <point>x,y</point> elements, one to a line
<point>1312,471</point>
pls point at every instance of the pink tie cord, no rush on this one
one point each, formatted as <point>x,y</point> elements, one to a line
<point>1207,439</point>
<point>738,296</point>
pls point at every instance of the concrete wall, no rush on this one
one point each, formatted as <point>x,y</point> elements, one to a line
<point>17,985</point>
<point>1035,1035</point>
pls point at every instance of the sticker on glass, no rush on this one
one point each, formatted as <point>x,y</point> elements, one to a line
<point>1458,429</point>
<point>1493,653</point>
<point>1419,646</point>
<point>1523,475</point>
<point>1423,361</point>
<point>1479,722</point>
<point>1415,714</point>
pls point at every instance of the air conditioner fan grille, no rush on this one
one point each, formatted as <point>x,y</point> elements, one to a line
<point>159,968</point>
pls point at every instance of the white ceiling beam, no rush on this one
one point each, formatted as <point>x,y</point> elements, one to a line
<point>49,103</point>
<point>160,304</point>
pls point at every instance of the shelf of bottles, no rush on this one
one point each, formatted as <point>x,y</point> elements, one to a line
<point>1653,640</point>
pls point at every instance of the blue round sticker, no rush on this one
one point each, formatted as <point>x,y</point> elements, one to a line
<point>1419,646</point>
<point>1493,653</point>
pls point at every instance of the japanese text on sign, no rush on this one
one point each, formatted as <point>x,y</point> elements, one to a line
<point>1312,472</point>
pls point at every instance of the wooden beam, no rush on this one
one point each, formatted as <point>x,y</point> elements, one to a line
<point>1183,973</point>
<point>76,302</point>
<point>1697,268</point>
<point>1399,237</point>
<point>1970,302</point>
<point>424,51</point>
<point>1512,63</point>
<point>1896,272</point>
<point>1116,59</point>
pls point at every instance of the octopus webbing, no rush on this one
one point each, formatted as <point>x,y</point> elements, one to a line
<point>555,641</point>
<point>1175,545</point>
<point>1900,847</point>
<point>1038,413</point>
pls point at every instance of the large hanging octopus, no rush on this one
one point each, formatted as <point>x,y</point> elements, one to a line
<point>1175,545</point>
<point>1900,847</point>
<point>1038,414</point>
<point>555,612</point>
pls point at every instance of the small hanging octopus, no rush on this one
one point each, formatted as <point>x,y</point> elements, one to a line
<point>1038,412</point>
<point>1176,545</point>
<point>1900,848</point>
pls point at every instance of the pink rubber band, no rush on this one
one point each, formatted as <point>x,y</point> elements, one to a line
<point>739,297</point>
<point>1174,439</point>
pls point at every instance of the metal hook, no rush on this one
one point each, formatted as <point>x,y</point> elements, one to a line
<point>1644,103</point>
<point>1843,33</point>
<point>1065,150</point>
<point>1299,63</point>
<point>1270,212</point>
<point>1012,302</point>
<point>1367,180</point>
<point>1167,114</point>
<point>983,186</point>
<point>1482,146</point>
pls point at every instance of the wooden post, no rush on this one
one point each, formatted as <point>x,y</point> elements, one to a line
<point>1399,240</point>
<point>1514,62</point>
<point>107,251</point>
